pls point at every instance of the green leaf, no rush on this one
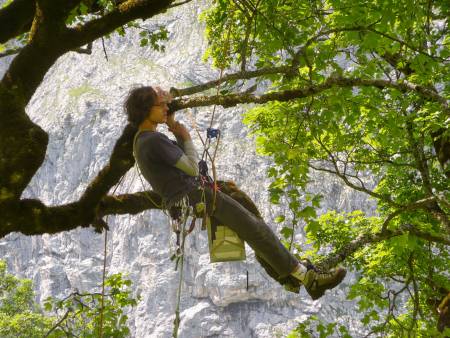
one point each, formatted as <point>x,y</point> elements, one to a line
<point>307,212</point>
<point>287,232</point>
<point>313,227</point>
<point>280,219</point>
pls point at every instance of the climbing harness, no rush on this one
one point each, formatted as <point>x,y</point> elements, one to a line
<point>179,213</point>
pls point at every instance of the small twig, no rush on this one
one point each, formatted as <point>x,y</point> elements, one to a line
<point>425,235</point>
<point>387,36</point>
<point>11,51</point>
<point>179,3</point>
<point>104,49</point>
<point>416,294</point>
<point>63,318</point>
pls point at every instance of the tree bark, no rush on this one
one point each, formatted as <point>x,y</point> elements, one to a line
<point>15,19</point>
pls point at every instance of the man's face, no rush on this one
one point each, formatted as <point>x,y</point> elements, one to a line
<point>158,112</point>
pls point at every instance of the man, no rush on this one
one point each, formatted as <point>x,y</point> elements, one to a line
<point>172,170</point>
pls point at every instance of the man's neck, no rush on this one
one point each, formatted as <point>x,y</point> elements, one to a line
<point>148,125</point>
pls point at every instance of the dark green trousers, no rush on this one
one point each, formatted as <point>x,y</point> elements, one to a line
<point>270,252</point>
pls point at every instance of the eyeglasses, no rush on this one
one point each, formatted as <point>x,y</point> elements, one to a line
<point>162,104</point>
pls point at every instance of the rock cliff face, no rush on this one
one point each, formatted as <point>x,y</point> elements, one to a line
<point>80,105</point>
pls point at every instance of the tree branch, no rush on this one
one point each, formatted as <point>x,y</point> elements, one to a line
<point>359,242</point>
<point>292,94</point>
<point>87,50</point>
<point>427,236</point>
<point>11,51</point>
<point>176,92</point>
<point>404,43</point>
<point>344,177</point>
<point>125,12</point>
<point>32,217</point>
<point>248,30</point>
<point>425,203</point>
<point>363,240</point>
<point>179,3</point>
<point>16,19</point>
<point>120,162</point>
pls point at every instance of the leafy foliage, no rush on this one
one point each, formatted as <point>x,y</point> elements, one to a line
<point>19,314</point>
<point>77,315</point>
<point>82,314</point>
<point>154,38</point>
<point>87,10</point>
<point>358,133</point>
<point>313,324</point>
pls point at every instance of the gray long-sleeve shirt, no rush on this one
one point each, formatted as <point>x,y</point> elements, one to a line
<point>170,171</point>
<point>188,162</point>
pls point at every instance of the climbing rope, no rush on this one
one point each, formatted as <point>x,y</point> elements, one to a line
<point>103,284</point>
<point>214,133</point>
<point>102,299</point>
<point>179,259</point>
<point>210,134</point>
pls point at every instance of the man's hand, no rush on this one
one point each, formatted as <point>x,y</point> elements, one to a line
<point>171,121</point>
<point>178,129</point>
<point>165,96</point>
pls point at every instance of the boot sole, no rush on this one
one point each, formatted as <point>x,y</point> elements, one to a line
<point>319,293</point>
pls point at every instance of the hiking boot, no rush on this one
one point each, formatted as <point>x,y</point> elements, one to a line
<point>316,282</point>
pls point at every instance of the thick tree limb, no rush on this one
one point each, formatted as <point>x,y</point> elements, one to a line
<point>32,217</point>
<point>87,50</point>
<point>16,19</point>
<point>120,162</point>
<point>129,203</point>
<point>125,12</point>
<point>292,94</point>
